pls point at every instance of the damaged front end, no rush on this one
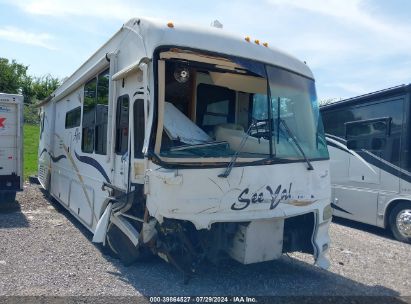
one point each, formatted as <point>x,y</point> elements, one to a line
<point>187,247</point>
<point>235,166</point>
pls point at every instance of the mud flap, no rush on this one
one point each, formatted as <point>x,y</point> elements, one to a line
<point>322,262</point>
<point>101,228</point>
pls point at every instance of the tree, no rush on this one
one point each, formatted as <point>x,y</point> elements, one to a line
<point>324,102</point>
<point>43,86</point>
<point>12,76</point>
<point>14,79</point>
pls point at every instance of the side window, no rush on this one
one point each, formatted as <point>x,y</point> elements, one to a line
<point>259,106</point>
<point>139,128</point>
<point>368,134</point>
<point>89,108</point>
<point>73,118</point>
<point>95,114</point>
<point>43,116</point>
<point>101,113</point>
<point>334,121</point>
<point>122,125</point>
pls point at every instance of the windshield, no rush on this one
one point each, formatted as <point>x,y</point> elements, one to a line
<point>221,110</point>
<point>294,106</point>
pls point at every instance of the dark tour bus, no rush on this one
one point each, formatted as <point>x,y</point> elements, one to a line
<point>369,142</point>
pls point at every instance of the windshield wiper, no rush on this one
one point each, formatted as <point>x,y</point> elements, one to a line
<point>202,145</point>
<point>294,139</point>
<point>227,171</point>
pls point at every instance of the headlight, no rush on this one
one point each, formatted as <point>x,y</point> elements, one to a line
<point>328,212</point>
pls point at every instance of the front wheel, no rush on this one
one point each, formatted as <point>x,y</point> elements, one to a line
<point>400,222</point>
<point>121,246</point>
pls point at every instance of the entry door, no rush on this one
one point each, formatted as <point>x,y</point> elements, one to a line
<point>138,165</point>
<point>121,142</point>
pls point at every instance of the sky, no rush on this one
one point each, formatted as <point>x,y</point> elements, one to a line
<point>352,46</point>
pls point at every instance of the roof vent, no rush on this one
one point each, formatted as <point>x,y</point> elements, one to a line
<point>217,24</point>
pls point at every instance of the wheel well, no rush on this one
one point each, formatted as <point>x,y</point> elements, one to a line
<point>391,206</point>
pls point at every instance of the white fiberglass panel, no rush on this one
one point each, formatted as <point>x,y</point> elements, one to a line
<point>250,192</point>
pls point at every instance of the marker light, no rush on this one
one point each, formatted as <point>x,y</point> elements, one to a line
<point>247,38</point>
<point>170,24</point>
<point>265,44</point>
<point>257,41</point>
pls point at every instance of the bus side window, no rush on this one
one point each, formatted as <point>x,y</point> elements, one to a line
<point>73,118</point>
<point>42,124</point>
<point>122,125</point>
<point>139,128</point>
<point>95,114</point>
<point>101,113</point>
<point>367,134</point>
<point>89,107</point>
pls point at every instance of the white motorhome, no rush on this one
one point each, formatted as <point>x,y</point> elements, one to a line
<point>369,142</point>
<point>11,146</point>
<point>191,144</point>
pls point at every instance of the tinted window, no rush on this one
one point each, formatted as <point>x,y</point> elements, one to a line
<point>102,113</point>
<point>370,135</point>
<point>122,125</point>
<point>334,123</point>
<point>102,87</point>
<point>90,93</point>
<point>89,106</point>
<point>87,141</point>
<point>95,114</point>
<point>139,128</point>
<point>73,118</point>
<point>43,115</point>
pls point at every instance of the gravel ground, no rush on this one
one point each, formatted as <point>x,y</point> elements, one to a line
<point>44,251</point>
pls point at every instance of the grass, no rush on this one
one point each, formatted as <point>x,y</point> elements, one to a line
<point>31,145</point>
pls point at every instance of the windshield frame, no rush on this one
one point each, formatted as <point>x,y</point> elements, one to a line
<point>208,162</point>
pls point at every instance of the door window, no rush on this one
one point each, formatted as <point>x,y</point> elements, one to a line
<point>139,128</point>
<point>122,125</point>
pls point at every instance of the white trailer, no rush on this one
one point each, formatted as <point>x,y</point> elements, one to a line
<point>11,146</point>
<point>369,142</point>
<point>191,144</point>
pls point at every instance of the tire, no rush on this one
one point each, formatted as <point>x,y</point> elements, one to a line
<point>12,197</point>
<point>400,222</point>
<point>121,246</point>
<point>7,197</point>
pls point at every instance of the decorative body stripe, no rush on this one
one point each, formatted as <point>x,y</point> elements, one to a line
<point>92,162</point>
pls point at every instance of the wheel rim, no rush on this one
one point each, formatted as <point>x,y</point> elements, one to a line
<point>403,222</point>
